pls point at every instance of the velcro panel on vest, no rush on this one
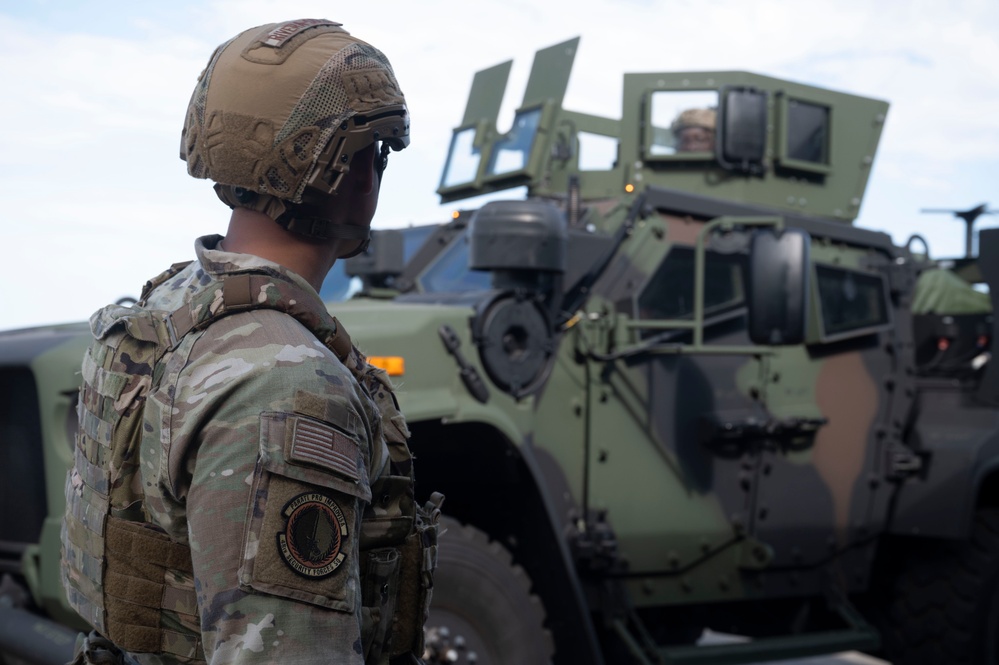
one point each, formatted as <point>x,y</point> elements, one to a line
<point>237,292</point>
<point>135,590</point>
<point>329,410</point>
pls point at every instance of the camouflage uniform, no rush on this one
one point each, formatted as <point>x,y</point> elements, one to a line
<point>259,449</point>
<point>231,437</point>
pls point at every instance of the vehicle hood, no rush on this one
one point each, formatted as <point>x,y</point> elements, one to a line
<point>430,387</point>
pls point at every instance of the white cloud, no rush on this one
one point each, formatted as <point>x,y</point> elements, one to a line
<point>96,200</point>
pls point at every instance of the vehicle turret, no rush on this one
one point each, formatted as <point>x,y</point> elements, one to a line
<point>767,141</point>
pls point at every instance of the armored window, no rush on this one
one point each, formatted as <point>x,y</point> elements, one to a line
<point>808,132</point>
<point>413,238</point>
<point>851,302</point>
<point>680,124</point>
<point>669,294</point>
<point>462,159</point>
<point>449,273</point>
<point>804,143</point>
<point>338,285</point>
<point>513,152</point>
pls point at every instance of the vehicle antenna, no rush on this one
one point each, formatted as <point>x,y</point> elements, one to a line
<point>969,216</point>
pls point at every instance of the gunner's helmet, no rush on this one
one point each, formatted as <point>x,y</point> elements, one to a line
<point>696,117</point>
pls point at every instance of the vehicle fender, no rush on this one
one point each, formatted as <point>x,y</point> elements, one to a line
<point>516,494</point>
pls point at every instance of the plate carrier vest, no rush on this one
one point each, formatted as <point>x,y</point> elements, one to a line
<point>122,595</point>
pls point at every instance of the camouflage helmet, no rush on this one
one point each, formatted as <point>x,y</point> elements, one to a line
<point>696,117</point>
<point>284,107</point>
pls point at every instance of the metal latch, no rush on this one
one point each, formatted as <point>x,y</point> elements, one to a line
<point>903,463</point>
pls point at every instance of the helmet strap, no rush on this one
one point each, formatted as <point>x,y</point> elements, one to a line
<point>322,229</point>
<point>283,212</point>
<point>239,197</point>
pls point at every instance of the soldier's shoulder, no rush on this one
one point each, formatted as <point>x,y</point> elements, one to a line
<point>264,332</point>
<point>171,289</point>
<point>272,348</point>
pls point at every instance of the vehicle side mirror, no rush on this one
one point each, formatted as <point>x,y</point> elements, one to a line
<point>742,130</point>
<point>778,286</point>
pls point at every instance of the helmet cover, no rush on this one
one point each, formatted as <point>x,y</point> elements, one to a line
<point>284,106</point>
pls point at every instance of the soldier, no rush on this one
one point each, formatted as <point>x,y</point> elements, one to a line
<point>242,489</point>
<point>694,130</point>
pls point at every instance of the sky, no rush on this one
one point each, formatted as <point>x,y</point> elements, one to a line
<point>94,199</point>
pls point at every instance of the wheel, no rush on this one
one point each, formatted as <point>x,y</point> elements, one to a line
<point>943,604</point>
<point>482,609</point>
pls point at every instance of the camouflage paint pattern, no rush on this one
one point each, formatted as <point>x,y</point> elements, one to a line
<point>724,513</point>
<point>619,440</point>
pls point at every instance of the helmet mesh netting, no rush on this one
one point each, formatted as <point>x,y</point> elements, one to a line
<point>325,104</point>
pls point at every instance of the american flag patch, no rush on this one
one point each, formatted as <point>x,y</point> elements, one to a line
<point>321,445</point>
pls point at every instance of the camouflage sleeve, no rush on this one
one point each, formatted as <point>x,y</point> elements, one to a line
<point>270,445</point>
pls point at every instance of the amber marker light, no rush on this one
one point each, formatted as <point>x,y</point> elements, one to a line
<point>456,214</point>
<point>394,365</point>
<point>629,188</point>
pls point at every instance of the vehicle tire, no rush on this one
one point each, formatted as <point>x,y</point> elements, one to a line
<point>483,611</point>
<point>943,604</point>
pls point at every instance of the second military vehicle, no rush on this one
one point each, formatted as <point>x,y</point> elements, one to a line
<point>673,389</point>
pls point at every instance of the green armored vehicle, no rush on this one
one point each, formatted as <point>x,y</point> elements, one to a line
<point>673,389</point>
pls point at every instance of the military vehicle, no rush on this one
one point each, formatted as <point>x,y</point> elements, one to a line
<point>672,389</point>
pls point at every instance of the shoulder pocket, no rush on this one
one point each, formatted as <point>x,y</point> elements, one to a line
<point>303,533</point>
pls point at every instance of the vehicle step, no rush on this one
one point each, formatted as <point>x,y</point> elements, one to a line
<point>773,648</point>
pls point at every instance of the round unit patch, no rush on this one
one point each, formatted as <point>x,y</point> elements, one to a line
<point>313,535</point>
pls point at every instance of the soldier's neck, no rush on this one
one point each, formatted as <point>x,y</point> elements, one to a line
<point>252,232</point>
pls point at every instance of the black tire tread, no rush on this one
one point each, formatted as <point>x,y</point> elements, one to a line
<point>517,583</point>
<point>936,606</point>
